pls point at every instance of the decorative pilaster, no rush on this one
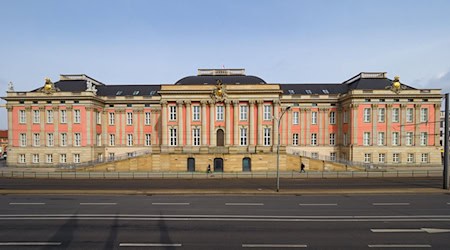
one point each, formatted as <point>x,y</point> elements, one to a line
<point>69,112</point>
<point>120,126</point>
<point>55,110</point>
<point>156,121</point>
<point>88,126</point>
<point>288,132</point>
<point>437,122</point>
<point>275,131</point>
<point>10,127</point>
<point>212,134</point>
<point>138,126</point>
<point>251,113</point>
<point>260,116</point>
<point>301,121</point>
<point>402,124</point>
<point>188,123</point>
<point>180,123</point>
<point>164,123</point>
<point>374,124</point>
<point>235,122</point>
<point>308,126</point>
<point>355,124</point>
<point>204,137</point>
<point>417,124</point>
<point>326,114</point>
<point>388,124</point>
<point>43,121</point>
<point>228,123</point>
<point>29,121</point>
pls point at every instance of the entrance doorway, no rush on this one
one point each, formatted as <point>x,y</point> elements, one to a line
<point>218,165</point>
<point>246,164</point>
<point>191,164</point>
<point>220,138</point>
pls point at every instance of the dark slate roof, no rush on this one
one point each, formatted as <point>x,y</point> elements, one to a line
<point>128,90</point>
<point>317,88</point>
<point>232,79</point>
<point>373,83</point>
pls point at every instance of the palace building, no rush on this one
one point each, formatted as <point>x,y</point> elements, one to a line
<point>225,119</point>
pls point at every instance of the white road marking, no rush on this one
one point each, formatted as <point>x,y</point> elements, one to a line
<point>273,246</point>
<point>30,243</point>
<point>391,204</point>
<point>148,245</point>
<point>26,203</point>
<point>448,203</point>
<point>418,230</point>
<point>98,204</point>
<point>244,204</point>
<point>318,204</point>
<point>171,204</point>
<point>399,246</point>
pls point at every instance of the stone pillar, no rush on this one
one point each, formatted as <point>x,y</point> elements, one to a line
<point>251,113</point>
<point>138,130</point>
<point>288,132</point>
<point>119,125</point>
<point>10,129</point>
<point>164,123</point>
<point>437,124</point>
<point>105,139</point>
<point>326,118</point>
<point>180,123</point>
<point>228,123</point>
<point>29,121</point>
<point>212,134</point>
<point>308,126</point>
<point>388,125</point>
<point>235,122</point>
<point>374,121</point>
<point>188,119</point>
<point>275,131</point>
<point>203,105</point>
<point>301,122</point>
<point>88,126</point>
<point>123,125</point>
<point>260,119</point>
<point>339,123</point>
<point>42,133</point>
<point>402,124</point>
<point>355,124</point>
<point>156,125</point>
<point>320,134</point>
<point>55,109</point>
<point>69,113</point>
<point>417,124</point>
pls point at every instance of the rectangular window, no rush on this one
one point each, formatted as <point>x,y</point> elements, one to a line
<point>410,158</point>
<point>111,156</point>
<point>129,140</point>
<point>36,116</point>
<point>409,115</point>
<point>77,140</point>
<point>196,137</point>
<point>35,158</point>
<point>112,119</point>
<point>367,115</point>
<point>50,140</point>
<point>345,139</point>
<point>49,158</point>
<point>22,116</point>
<point>395,138</point>
<point>423,138</point>
<point>112,139</point>
<point>295,118</point>
<point>99,117</point>
<point>129,118</point>
<point>76,158</point>
<point>196,113</point>
<point>148,118</point>
<point>345,116</point>
<point>333,156</point>
<point>219,113</point>
<point>314,155</point>
<point>243,112</point>
<point>332,117</point>
<point>395,157</point>
<point>314,117</point>
<point>36,140</point>
<point>382,157</point>
<point>267,136</point>
<point>395,115</point>
<point>366,139</point>
<point>22,158</point>
<point>332,139</point>
<point>99,139</point>
<point>380,138</point>
<point>243,138</point>
<point>295,139</point>
<point>172,113</point>
<point>367,158</point>
<point>23,140</point>
<point>49,116</point>
<point>63,139</point>
<point>267,112</point>
<point>424,158</point>
<point>62,158</point>
<point>313,139</point>
<point>77,116</point>
<point>173,137</point>
<point>148,139</point>
<point>63,116</point>
<point>423,114</point>
<point>409,138</point>
<point>381,114</point>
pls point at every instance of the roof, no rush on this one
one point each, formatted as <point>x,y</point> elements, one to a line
<point>313,88</point>
<point>225,79</point>
<point>373,83</point>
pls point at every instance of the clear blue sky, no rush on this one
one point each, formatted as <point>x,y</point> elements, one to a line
<point>281,41</point>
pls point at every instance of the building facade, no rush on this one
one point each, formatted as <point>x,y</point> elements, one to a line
<point>227,119</point>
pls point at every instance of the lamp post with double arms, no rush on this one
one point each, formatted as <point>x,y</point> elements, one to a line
<point>278,119</point>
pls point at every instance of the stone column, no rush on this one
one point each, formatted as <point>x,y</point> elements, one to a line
<point>275,131</point>
<point>320,134</point>
<point>156,125</point>
<point>10,129</point>
<point>227,123</point>
<point>301,122</point>
<point>339,123</point>
<point>180,123</point>
<point>288,132</point>
<point>402,124</point>
<point>69,113</point>
<point>260,119</point>
<point>188,123</point>
<point>88,126</point>
<point>388,125</point>
<point>55,109</point>
<point>374,121</point>
<point>138,124</point>
<point>203,105</point>
<point>212,134</point>
<point>251,113</point>
<point>235,122</point>
<point>437,122</point>
<point>417,124</point>
<point>119,125</point>
<point>308,126</point>
<point>105,139</point>
<point>326,122</point>
<point>42,133</point>
<point>29,121</point>
<point>164,123</point>
<point>355,124</point>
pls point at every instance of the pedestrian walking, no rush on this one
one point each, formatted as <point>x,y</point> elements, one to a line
<point>302,168</point>
<point>208,170</point>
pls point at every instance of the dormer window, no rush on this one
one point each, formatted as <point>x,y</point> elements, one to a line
<point>136,92</point>
<point>119,92</point>
<point>325,91</point>
<point>291,91</point>
<point>308,91</point>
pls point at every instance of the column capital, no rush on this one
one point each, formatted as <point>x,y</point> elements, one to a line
<point>55,107</point>
<point>389,105</point>
<point>437,106</point>
<point>251,102</point>
<point>69,107</point>
<point>9,107</point>
<point>139,111</point>
<point>235,102</point>
<point>180,102</point>
<point>354,106</point>
<point>120,111</point>
<point>88,108</point>
<point>227,102</point>
<point>211,102</point>
<point>417,105</point>
<point>41,108</point>
<point>260,102</point>
<point>203,102</point>
<point>374,106</point>
<point>403,106</point>
<point>163,102</point>
<point>27,108</point>
<point>187,103</point>
<point>276,102</point>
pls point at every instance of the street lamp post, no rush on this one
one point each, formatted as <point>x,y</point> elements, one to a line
<point>278,119</point>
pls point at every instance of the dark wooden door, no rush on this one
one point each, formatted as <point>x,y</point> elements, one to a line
<point>191,164</point>
<point>220,138</point>
<point>246,164</point>
<point>218,165</point>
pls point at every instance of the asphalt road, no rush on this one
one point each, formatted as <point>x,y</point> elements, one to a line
<point>225,222</point>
